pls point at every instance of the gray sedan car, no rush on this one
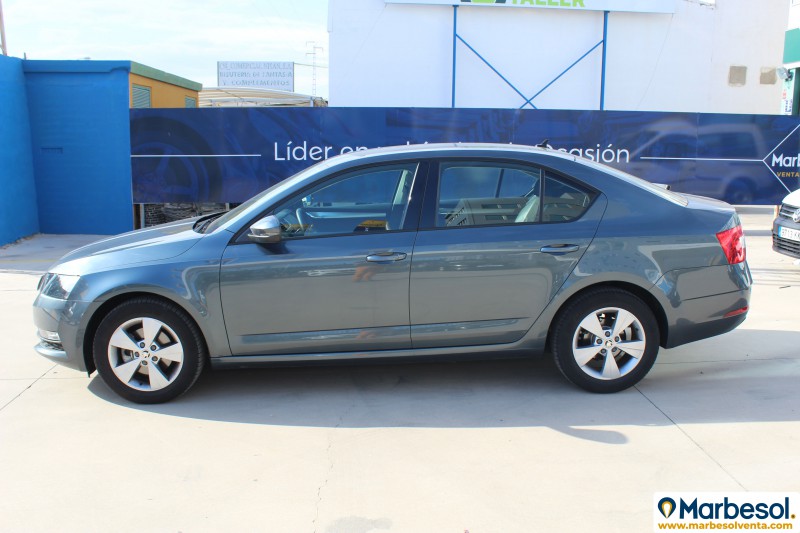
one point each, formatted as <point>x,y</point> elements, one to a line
<point>418,251</point>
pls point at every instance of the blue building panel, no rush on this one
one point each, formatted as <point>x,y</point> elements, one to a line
<point>80,139</point>
<point>18,209</point>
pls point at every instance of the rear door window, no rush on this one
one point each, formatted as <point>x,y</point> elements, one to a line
<point>478,193</point>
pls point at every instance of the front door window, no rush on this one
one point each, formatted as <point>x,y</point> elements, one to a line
<point>364,201</point>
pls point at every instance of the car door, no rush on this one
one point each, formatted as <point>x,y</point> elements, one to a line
<point>338,281</point>
<point>497,240</point>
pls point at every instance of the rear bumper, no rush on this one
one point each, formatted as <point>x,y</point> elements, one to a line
<point>708,318</point>
<point>703,302</point>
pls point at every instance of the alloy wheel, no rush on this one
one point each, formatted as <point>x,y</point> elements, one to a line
<point>145,354</point>
<point>609,343</point>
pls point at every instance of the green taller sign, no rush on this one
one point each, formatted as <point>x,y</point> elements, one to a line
<point>791,47</point>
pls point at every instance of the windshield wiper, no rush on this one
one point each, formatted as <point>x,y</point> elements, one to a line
<point>202,223</point>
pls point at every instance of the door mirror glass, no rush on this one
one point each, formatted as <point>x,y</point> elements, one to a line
<point>266,231</point>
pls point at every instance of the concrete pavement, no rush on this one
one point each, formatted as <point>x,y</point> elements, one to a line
<point>474,446</point>
<point>33,255</point>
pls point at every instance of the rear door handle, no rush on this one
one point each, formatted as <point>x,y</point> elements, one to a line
<point>560,249</point>
<point>386,257</point>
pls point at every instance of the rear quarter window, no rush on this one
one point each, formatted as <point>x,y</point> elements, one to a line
<point>563,201</point>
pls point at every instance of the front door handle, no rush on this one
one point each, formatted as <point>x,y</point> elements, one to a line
<point>386,257</point>
<point>560,249</point>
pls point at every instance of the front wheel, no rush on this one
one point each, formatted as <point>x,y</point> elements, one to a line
<point>605,340</point>
<point>148,350</point>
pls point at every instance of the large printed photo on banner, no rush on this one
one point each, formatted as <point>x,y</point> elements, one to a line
<point>228,155</point>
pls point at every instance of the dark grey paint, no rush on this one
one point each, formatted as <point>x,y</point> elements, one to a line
<point>474,290</point>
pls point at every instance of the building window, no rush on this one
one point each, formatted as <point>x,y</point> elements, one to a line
<point>769,76</point>
<point>141,96</point>
<point>737,76</point>
<point>188,101</point>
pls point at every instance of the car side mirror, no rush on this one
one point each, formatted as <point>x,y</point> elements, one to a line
<point>266,231</point>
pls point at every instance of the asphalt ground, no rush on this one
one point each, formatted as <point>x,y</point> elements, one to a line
<point>498,446</point>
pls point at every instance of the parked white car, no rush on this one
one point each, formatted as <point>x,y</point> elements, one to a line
<point>786,227</point>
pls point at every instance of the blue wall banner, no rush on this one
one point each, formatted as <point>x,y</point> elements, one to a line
<point>230,154</point>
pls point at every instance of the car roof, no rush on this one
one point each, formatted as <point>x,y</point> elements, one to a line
<point>457,146</point>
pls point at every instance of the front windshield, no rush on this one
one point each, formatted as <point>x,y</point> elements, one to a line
<point>285,184</point>
<point>233,213</point>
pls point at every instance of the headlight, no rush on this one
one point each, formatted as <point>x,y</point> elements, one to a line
<point>57,285</point>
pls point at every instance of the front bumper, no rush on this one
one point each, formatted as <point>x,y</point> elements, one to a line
<point>55,353</point>
<point>789,242</point>
<point>64,317</point>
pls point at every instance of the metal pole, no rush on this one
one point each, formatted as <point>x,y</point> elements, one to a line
<point>313,54</point>
<point>455,35</point>
<point>2,31</point>
<point>603,74</point>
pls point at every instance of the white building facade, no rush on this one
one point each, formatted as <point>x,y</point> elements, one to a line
<point>636,55</point>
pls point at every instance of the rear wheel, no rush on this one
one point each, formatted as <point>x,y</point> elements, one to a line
<point>148,350</point>
<point>605,340</point>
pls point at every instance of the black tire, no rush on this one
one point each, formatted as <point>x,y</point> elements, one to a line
<point>570,342</point>
<point>175,336</point>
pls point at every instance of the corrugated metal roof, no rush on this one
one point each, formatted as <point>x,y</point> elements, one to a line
<point>250,97</point>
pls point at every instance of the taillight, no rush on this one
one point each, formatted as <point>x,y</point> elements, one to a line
<point>732,242</point>
<point>737,312</point>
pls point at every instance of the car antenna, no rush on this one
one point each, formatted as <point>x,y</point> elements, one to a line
<point>544,144</point>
